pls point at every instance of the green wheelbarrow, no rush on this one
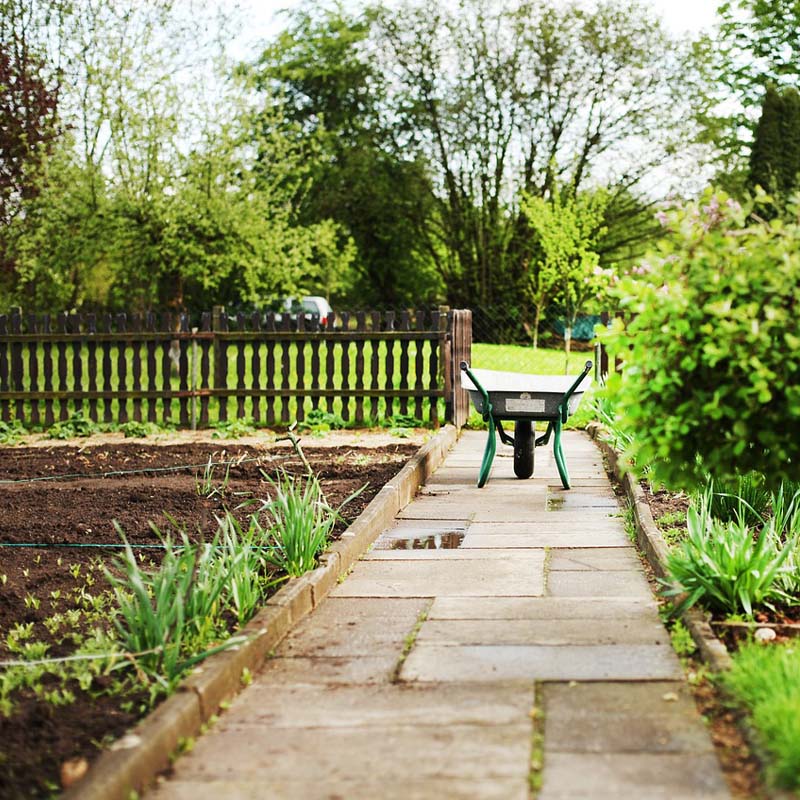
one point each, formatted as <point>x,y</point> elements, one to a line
<point>525,400</point>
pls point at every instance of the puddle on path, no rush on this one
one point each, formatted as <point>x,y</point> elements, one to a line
<point>421,539</point>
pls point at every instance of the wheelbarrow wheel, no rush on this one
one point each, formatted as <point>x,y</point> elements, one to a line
<point>523,448</point>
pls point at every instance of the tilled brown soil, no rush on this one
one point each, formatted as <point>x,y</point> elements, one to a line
<point>54,536</point>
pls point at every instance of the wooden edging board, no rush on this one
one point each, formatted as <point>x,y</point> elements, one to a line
<point>133,761</point>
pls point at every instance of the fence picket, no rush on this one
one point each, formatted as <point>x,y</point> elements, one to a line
<point>300,360</point>
<point>269,326</point>
<point>375,365</point>
<point>63,387</point>
<point>17,370</point>
<point>91,363</point>
<point>255,366</point>
<point>5,405</point>
<point>330,364</point>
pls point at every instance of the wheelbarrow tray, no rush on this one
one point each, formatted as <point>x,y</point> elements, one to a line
<point>520,396</point>
<point>525,399</point>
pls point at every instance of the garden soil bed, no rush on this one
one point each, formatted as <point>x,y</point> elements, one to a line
<point>70,522</point>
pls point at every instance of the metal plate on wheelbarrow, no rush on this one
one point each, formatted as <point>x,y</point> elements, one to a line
<point>515,395</point>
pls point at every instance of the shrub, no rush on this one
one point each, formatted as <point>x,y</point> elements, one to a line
<point>711,376</point>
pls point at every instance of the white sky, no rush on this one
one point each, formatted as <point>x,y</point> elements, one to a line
<point>262,22</point>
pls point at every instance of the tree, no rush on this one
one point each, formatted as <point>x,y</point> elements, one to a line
<point>509,98</point>
<point>328,81</point>
<point>757,46</point>
<point>567,229</point>
<point>760,45</point>
<point>775,154</point>
<point>29,90</point>
<point>155,195</point>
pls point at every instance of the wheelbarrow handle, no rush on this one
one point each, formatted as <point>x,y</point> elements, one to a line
<point>564,404</point>
<point>487,406</point>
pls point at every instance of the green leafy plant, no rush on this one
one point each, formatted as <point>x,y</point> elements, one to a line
<point>168,616</point>
<point>140,430</point>
<point>206,485</point>
<point>76,426</point>
<point>318,421</point>
<point>711,348</point>
<point>724,566</point>
<point>766,681</point>
<point>233,428</point>
<point>403,421</point>
<point>244,553</point>
<point>11,432</point>
<point>300,522</point>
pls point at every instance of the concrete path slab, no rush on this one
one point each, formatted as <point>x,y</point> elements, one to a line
<point>593,559</point>
<point>491,578</point>
<point>368,706</point>
<point>543,632</point>
<point>324,788</point>
<point>363,627</point>
<point>595,585</point>
<point>550,539</point>
<point>542,608</point>
<point>415,679</point>
<point>621,718</point>
<point>489,663</point>
<point>611,776</point>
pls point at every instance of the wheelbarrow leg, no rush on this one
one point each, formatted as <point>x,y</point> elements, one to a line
<point>488,455</point>
<point>558,452</point>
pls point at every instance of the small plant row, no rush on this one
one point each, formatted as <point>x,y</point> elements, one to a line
<point>317,422</point>
<point>156,622</point>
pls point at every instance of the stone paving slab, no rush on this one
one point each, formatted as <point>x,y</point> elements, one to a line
<point>623,718</point>
<point>550,523</point>
<point>597,585</point>
<point>542,608</point>
<point>612,776</point>
<point>458,554</point>
<point>408,788</point>
<point>368,706</point>
<point>495,578</point>
<point>543,632</point>
<point>388,754</point>
<point>283,671</point>
<point>478,663</point>
<point>593,558</point>
<point>347,627</point>
<point>546,539</point>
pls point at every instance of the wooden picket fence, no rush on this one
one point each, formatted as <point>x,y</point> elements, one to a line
<point>366,366</point>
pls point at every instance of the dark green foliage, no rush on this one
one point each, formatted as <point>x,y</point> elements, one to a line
<point>744,499</point>
<point>335,93</point>
<point>775,155</point>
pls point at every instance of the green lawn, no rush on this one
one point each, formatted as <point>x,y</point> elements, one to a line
<point>520,358</point>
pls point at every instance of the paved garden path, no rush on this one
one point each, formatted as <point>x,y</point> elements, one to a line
<point>419,676</point>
